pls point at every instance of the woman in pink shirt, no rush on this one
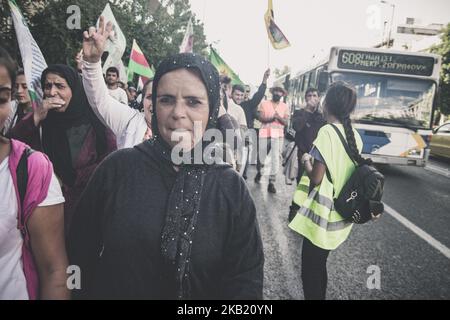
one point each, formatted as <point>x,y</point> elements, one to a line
<point>33,259</point>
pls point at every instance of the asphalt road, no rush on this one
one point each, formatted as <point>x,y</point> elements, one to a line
<point>409,245</point>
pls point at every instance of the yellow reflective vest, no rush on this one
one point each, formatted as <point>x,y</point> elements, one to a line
<point>317,218</point>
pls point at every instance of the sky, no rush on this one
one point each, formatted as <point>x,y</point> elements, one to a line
<point>236,29</point>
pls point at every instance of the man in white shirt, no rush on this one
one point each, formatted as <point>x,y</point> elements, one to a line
<point>112,80</point>
<point>234,108</point>
<point>236,112</point>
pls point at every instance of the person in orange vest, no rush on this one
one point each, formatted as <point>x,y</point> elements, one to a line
<point>273,115</point>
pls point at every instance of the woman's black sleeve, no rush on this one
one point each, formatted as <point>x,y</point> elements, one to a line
<point>84,243</point>
<point>244,256</point>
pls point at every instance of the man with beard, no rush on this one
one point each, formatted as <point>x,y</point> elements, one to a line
<point>306,123</point>
<point>250,107</point>
<point>274,116</point>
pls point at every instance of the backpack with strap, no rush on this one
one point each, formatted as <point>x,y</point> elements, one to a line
<point>360,198</point>
<point>22,180</point>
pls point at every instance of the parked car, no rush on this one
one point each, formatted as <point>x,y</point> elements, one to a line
<point>440,141</point>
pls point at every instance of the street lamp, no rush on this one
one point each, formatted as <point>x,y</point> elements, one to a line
<point>392,20</point>
<point>384,32</point>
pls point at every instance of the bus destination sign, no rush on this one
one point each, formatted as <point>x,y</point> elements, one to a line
<point>386,62</point>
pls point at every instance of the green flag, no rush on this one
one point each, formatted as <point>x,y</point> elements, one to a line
<point>138,64</point>
<point>222,67</point>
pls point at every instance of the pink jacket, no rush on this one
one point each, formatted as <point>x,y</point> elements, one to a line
<point>39,176</point>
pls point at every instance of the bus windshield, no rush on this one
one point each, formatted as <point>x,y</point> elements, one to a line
<point>392,101</point>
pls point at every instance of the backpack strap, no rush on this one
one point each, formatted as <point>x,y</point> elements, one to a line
<point>347,150</point>
<point>344,143</point>
<point>289,156</point>
<point>22,179</point>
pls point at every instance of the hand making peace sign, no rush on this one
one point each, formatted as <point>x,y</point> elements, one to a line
<point>94,41</point>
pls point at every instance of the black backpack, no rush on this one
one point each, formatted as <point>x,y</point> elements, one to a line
<point>361,195</point>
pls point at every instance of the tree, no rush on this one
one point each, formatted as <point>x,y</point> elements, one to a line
<point>170,20</point>
<point>444,50</point>
<point>158,30</point>
<point>8,38</point>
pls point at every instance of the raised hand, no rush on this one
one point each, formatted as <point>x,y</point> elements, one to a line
<point>266,75</point>
<point>40,113</point>
<point>94,41</point>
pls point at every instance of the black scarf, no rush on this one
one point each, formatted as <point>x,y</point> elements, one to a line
<point>55,127</point>
<point>184,200</point>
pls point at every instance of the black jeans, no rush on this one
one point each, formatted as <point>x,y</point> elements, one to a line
<point>314,271</point>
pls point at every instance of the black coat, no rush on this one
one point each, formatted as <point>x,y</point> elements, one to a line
<point>306,125</point>
<point>116,233</point>
<point>250,106</point>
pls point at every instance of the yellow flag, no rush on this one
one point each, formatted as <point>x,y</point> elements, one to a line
<point>277,38</point>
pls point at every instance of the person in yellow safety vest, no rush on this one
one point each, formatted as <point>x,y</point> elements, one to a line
<point>327,169</point>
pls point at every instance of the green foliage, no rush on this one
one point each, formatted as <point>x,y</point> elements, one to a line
<point>158,33</point>
<point>7,33</point>
<point>443,49</point>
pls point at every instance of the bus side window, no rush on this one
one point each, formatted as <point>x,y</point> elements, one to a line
<point>299,91</point>
<point>322,81</point>
<point>312,79</point>
<point>305,81</point>
<point>300,85</point>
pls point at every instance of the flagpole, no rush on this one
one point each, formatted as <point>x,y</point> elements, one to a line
<point>204,10</point>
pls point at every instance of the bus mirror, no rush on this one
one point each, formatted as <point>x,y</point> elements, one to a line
<point>323,81</point>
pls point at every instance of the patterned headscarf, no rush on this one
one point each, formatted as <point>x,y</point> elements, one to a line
<point>183,205</point>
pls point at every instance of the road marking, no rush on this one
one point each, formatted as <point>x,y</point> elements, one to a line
<point>287,264</point>
<point>438,170</point>
<point>419,232</point>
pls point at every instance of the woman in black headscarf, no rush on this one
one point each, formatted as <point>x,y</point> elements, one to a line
<point>151,226</point>
<point>72,136</point>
